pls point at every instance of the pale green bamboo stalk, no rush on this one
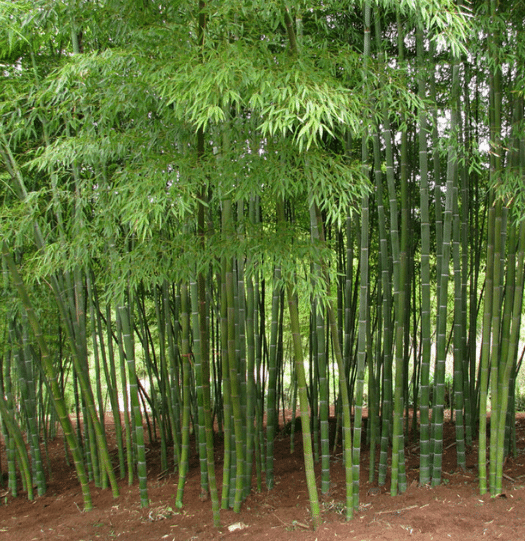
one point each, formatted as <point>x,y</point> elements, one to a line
<point>241,353</point>
<point>302,391</point>
<point>202,370</point>
<point>271,407</point>
<point>458,350</point>
<point>251,385</point>
<point>345,407</point>
<point>303,405</point>
<point>185,353</point>
<point>362,344</point>
<point>313,370</point>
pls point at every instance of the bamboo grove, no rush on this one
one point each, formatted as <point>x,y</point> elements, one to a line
<point>213,211</point>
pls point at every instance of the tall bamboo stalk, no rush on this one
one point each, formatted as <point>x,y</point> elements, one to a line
<point>138,428</point>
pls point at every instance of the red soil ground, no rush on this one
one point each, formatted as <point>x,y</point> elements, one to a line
<point>453,510</point>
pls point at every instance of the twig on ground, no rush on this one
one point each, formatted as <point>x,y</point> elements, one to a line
<point>394,511</point>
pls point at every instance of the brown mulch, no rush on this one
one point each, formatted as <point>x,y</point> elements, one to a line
<point>454,510</point>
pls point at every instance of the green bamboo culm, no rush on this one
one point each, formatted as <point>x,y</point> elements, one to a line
<point>303,407</point>
<point>426,329</point>
<point>443,280</point>
<point>319,352</point>
<point>52,377</point>
<point>15,434</point>
<point>111,379</point>
<point>202,381</point>
<point>231,366</point>
<point>171,309</point>
<point>386,307</point>
<point>138,428</point>
<point>6,388</point>
<point>302,392</point>
<point>185,353</point>
<point>516,276</point>
<point>398,270</point>
<point>29,409</point>
<point>251,391</point>
<point>363,324</point>
<point>271,397</point>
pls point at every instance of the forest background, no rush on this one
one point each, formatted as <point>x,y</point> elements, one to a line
<point>212,211</point>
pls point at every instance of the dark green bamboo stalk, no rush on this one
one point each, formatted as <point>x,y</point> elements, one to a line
<point>202,381</point>
<point>202,369</point>
<point>495,360</point>
<point>363,324</point>
<point>28,405</point>
<point>386,306</point>
<point>6,388</point>
<point>424,457</point>
<point>319,353</point>
<point>226,393</point>
<point>138,428</point>
<point>397,479</point>
<point>485,355</point>
<point>516,281</point>
<point>96,357</point>
<point>232,364</point>
<point>443,279</point>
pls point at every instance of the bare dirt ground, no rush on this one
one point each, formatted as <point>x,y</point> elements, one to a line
<point>453,510</point>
